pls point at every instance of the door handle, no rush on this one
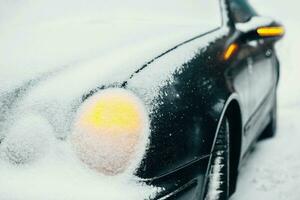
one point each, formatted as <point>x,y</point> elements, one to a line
<point>268,53</point>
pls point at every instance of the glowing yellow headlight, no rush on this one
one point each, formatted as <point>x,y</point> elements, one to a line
<point>109,129</point>
<point>115,112</point>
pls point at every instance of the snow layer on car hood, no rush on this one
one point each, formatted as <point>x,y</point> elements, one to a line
<point>38,37</point>
<point>63,49</point>
<point>35,165</point>
<point>59,176</point>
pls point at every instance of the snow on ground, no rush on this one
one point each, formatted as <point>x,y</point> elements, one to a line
<point>272,169</point>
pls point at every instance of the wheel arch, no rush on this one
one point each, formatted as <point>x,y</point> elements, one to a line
<point>232,110</point>
<point>233,114</point>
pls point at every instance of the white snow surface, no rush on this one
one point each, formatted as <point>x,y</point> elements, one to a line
<point>38,37</point>
<point>49,169</point>
<point>272,169</point>
<point>68,48</point>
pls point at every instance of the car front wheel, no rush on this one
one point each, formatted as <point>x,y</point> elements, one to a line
<point>217,187</point>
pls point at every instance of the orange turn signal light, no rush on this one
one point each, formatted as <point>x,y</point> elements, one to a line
<point>270,31</point>
<point>230,51</point>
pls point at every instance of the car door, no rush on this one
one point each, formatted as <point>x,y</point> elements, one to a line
<point>241,13</point>
<point>262,82</point>
<point>261,72</point>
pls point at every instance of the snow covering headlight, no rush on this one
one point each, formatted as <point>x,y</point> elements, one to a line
<point>110,131</point>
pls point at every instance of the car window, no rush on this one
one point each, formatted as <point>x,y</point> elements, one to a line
<point>241,11</point>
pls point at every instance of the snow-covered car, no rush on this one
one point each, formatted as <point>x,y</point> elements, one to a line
<point>132,99</point>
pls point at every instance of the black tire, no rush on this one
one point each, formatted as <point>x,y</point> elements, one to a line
<point>217,186</point>
<point>270,130</point>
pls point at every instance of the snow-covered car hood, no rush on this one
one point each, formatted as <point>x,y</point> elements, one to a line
<point>53,65</point>
<point>32,52</point>
<point>39,98</point>
<point>44,36</point>
<point>47,64</point>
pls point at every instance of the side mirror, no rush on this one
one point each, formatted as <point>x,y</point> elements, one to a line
<point>259,28</point>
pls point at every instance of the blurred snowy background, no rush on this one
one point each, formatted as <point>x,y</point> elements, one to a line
<point>272,170</point>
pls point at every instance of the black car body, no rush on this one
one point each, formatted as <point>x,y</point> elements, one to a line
<point>230,73</point>
<point>209,88</point>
